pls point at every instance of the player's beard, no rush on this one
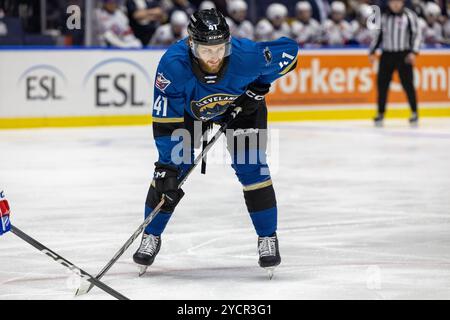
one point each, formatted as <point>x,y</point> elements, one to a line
<point>209,69</point>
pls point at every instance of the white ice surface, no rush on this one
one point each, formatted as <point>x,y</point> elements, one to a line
<point>364,213</point>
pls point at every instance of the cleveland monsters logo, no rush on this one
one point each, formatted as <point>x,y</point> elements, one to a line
<point>211,106</point>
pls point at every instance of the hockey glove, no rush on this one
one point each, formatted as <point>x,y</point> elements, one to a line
<point>5,224</point>
<point>251,99</point>
<point>166,183</point>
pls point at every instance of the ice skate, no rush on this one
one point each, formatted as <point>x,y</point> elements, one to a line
<point>378,120</point>
<point>414,120</point>
<point>269,253</point>
<point>147,252</point>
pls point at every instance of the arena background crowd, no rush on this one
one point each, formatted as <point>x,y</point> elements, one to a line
<point>142,23</point>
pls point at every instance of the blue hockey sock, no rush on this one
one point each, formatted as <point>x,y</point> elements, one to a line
<point>265,221</point>
<point>159,222</point>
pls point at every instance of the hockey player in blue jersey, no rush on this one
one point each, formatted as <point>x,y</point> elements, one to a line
<point>201,79</point>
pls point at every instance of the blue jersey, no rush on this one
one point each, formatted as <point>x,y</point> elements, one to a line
<point>178,91</point>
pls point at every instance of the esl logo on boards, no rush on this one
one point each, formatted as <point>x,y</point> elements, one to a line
<point>116,83</point>
<point>43,82</point>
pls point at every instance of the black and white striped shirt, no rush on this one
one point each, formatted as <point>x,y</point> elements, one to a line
<point>399,32</point>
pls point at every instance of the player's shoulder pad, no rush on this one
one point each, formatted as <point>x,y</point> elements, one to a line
<point>174,69</point>
<point>280,54</point>
<point>246,56</point>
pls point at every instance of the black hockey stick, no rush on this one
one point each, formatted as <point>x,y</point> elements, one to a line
<point>151,216</point>
<point>79,272</point>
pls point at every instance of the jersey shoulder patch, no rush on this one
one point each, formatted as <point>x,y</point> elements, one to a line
<point>174,68</point>
<point>161,82</point>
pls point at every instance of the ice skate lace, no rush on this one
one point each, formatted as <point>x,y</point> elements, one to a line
<point>149,245</point>
<point>267,247</point>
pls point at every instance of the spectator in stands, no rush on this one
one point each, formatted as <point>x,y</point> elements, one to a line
<point>305,29</point>
<point>320,9</point>
<point>115,30</point>
<point>337,31</point>
<point>418,6</point>
<point>171,32</point>
<point>432,33</point>
<point>206,5</point>
<point>3,27</point>
<point>276,15</point>
<point>353,7</point>
<point>361,33</point>
<point>264,31</point>
<point>446,28</point>
<point>239,26</point>
<point>181,5</point>
<point>145,16</point>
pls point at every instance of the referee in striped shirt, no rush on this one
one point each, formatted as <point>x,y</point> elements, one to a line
<point>399,39</point>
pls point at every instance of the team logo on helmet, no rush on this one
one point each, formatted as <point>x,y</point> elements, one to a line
<point>161,82</point>
<point>211,106</point>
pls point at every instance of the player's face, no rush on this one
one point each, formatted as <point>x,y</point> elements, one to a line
<point>110,6</point>
<point>178,29</point>
<point>337,16</point>
<point>211,57</point>
<point>431,18</point>
<point>304,15</point>
<point>396,5</point>
<point>239,15</point>
<point>278,21</point>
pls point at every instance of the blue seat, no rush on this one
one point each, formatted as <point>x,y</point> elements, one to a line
<point>38,40</point>
<point>14,35</point>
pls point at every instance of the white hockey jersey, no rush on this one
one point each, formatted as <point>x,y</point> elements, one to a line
<point>114,30</point>
<point>244,29</point>
<point>336,33</point>
<point>431,34</point>
<point>283,31</point>
<point>306,32</point>
<point>447,30</point>
<point>361,34</point>
<point>165,36</point>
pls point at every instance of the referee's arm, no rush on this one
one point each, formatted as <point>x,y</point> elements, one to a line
<point>375,45</point>
<point>415,38</point>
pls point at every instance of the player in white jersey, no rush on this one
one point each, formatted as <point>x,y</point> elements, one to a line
<point>5,224</point>
<point>305,29</point>
<point>173,31</point>
<point>207,5</point>
<point>336,30</point>
<point>264,31</point>
<point>361,33</point>
<point>114,27</point>
<point>432,33</point>
<point>276,15</point>
<point>240,27</point>
<point>446,31</point>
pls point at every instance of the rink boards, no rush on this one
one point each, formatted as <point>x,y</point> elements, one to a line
<point>88,87</point>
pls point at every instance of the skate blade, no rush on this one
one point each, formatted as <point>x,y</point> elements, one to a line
<point>84,288</point>
<point>379,124</point>
<point>142,270</point>
<point>270,272</point>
